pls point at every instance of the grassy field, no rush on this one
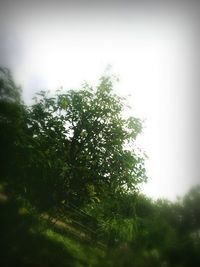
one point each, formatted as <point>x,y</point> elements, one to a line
<point>27,240</point>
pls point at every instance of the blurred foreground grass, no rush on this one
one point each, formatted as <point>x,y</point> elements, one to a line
<point>27,240</point>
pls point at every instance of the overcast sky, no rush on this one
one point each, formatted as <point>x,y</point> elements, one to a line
<point>153,49</point>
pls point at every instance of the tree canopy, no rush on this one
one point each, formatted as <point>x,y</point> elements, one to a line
<point>77,146</point>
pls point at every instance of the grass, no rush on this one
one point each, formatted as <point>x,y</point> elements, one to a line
<point>27,241</point>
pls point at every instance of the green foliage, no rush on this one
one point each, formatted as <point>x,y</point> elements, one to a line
<point>12,126</point>
<point>76,149</point>
<point>115,217</point>
<point>73,147</point>
<point>171,229</point>
<point>118,230</point>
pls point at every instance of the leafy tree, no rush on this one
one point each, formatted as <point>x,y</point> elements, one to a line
<point>11,125</point>
<point>74,146</point>
<point>80,145</point>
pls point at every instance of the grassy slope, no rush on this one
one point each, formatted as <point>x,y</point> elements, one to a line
<point>26,241</point>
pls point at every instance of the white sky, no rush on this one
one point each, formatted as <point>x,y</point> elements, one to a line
<point>150,53</point>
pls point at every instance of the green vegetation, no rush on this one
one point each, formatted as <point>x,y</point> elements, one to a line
<point>69,180</point>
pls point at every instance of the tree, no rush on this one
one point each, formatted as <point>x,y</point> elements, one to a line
<point>11,125</point>
<point>74,146</point>
<point>82,146</point>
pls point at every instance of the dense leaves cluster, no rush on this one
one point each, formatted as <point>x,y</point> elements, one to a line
<point>12,127</point>
<point>141,232</point>
<point>74,146</point>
